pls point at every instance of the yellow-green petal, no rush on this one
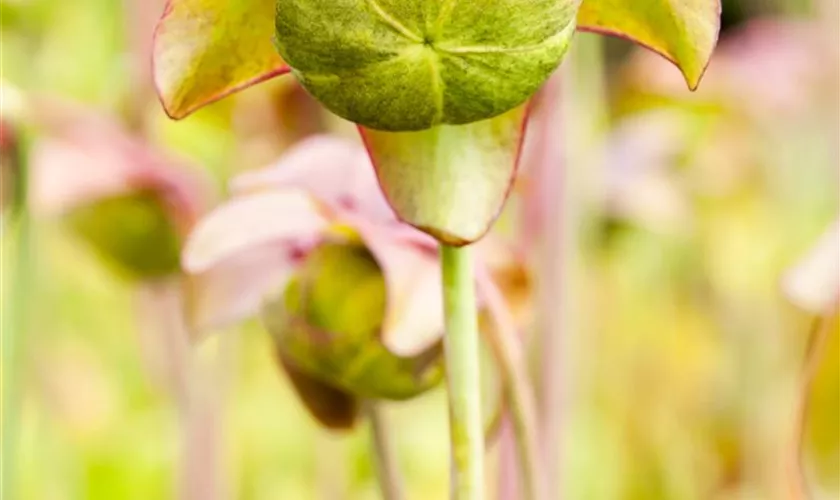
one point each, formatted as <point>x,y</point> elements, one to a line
<point>205,50</point>
<point>450,181</point>
<point>683,31</point>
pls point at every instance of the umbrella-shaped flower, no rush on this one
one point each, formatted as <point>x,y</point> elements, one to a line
<point>437,87</point>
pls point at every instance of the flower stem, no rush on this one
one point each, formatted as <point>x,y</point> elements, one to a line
<point>462,374</point>
<point>387,470</point>
<point>16,276</point>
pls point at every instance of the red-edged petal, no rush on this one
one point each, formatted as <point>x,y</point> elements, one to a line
<point>683,31</point>
<point>205,50</point>
<point>449,181</point>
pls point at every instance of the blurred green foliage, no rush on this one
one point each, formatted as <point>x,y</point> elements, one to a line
<point>684,371</point>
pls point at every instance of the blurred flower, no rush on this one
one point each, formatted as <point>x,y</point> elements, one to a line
<point>769,101</point>
<point>133,205</point>
<point>641,186</point>
<point>349,294</point>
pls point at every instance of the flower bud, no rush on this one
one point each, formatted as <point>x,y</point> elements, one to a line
<point>135,231</point>
<point>412,64</point>
<point>328,322</point>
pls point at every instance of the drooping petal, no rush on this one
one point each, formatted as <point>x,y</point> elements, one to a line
<point>449,181</point>
<point>683,31</point>
<point>414,309</point>
<point>249,222</point>
<point>336,171</point>
<point>233,289</point>
<point>245,249</point>
<point>205,50</point>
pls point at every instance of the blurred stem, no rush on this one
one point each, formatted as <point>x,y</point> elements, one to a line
<point>518,390</point>
<point>384,456</point>
<point>814,353</point>
<point>17,275</point>
<point>462,374</point>
<point>574,108</point>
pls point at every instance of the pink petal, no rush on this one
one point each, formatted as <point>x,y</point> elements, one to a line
<point>414,316</point>
<point>233,289</point>
<point>336,171</point>
<point>251,221</point>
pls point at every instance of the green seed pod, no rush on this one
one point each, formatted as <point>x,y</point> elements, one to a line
<point>412,64</point>
<point>327,325</point>
<point>135,232</point>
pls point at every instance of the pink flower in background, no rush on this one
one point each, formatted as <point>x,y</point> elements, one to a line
<point>133,204</point>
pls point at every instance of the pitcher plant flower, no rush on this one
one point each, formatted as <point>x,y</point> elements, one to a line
<point>439,89</point>
<point>439,92</point>
<point>346,291</point>
<point>350,295</point>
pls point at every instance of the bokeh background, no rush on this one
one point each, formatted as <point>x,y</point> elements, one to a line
<point>682,357</point>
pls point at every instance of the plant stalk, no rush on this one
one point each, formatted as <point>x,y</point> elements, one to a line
<point>509,355</point>
<point>462,374</point>
<point>384,455</point>
<point>16,279</point>
<point>573,122</point>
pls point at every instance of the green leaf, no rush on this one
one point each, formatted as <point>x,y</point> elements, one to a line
<point>205,50</point>
<point>683,31</point>
<point>449,181</point>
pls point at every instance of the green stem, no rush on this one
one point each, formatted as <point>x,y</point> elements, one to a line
<point>16,273</point>
<point>462,374</point>
<point>387,470</point>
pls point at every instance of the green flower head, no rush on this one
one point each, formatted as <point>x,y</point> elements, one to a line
<point>413,64</point>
